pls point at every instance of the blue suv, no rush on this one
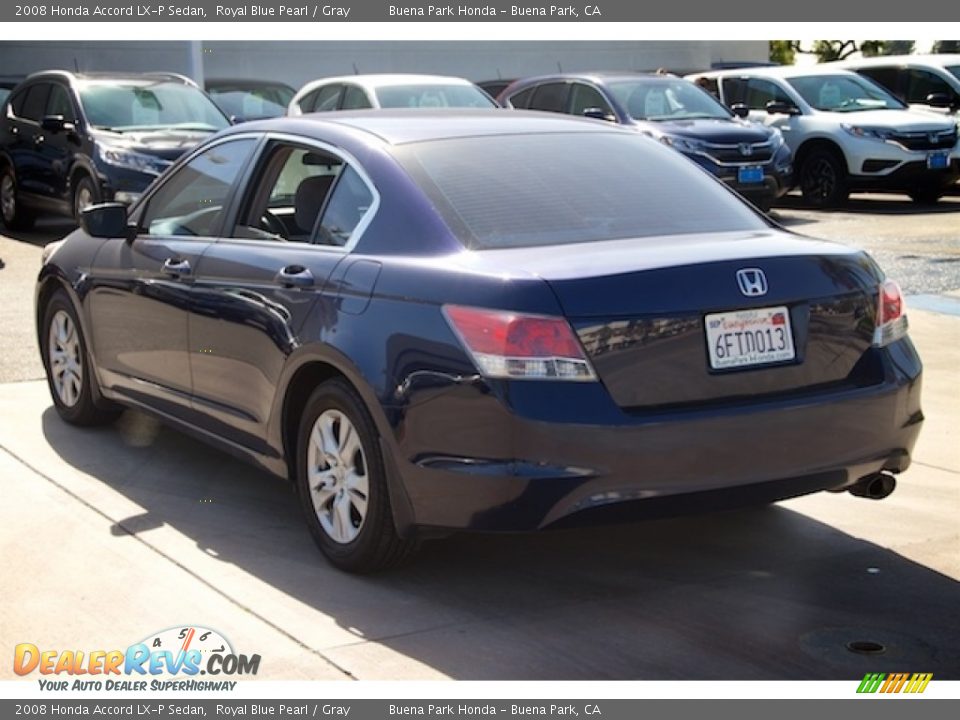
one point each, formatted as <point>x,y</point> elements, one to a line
<point>69,140</point>
<point>750,158</point>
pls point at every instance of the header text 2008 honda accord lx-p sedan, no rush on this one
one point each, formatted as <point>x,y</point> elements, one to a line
<point>480,320</point>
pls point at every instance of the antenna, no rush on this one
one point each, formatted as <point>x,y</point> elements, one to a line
<point>355,70</point>
<point>76,65</point>
<point>559,67</point>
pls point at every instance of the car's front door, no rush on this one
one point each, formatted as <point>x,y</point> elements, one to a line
<point>28,139</point>
<point>56,150</point>
<point>257,285</point>
<point>141,289</point>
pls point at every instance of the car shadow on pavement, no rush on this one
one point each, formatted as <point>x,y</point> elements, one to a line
<point>43,233</point>
<point>765,593</point>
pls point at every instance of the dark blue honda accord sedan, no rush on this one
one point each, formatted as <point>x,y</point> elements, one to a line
<point>475,320</point>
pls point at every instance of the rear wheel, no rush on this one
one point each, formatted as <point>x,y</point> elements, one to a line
<point>66,361</point>
<point>342,483</point>
<point>823,179</point>
<point>13,214</point>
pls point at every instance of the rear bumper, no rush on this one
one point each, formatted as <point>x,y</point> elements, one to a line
<point>531,455</point>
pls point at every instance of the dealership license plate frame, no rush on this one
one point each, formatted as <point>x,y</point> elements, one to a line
<point>938,160</point>
<point>749,174</point>
<point>762,319</point>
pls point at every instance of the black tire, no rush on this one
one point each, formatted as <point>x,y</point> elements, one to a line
<point>12,214</point>
<point>84,193</point>
<point>927,195</point>
<point>823,179</point>
<point>85,410</point>
<point>376,544</point>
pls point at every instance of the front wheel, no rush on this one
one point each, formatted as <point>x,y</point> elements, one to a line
<point>69,373</point>
<point>342,483</point>
<point>823,179</point>
<point>84,195</point>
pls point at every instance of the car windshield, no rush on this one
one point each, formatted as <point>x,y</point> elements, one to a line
<point>149,105</point>
<point>658,99</point>
<point>502,191</point>
<point>252,102</point>
<point>954,70</point>
<point>843,93</point>
<point>433,96</point>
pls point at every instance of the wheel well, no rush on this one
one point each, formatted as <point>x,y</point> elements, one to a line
<point>298,392</point>
<point>820,144</point>
<point>47,289</point>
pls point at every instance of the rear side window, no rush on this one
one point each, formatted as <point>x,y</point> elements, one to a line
<point>35,102</point>
<point>551,97</point>
<point>521,100</point>
<point>347,206</point>
<point>570,188</point>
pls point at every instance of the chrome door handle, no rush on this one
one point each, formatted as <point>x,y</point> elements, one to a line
<point>176,267</point>
<point>294,276</point>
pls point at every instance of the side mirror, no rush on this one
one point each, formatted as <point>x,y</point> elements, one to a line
<point>939,100</point>
<point>107,220</point>
<point>56,124</point>
<point>781,108</point>
<point>599,114</point>
<point>741,110</point>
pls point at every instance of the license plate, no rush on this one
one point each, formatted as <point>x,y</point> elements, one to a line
<point>938,161</point>
<point>749,337</point>
<point>747,175</point>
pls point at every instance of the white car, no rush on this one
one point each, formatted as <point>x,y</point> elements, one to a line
<point>846,132</point>
<point>924,82</point>
<point>358,92</point>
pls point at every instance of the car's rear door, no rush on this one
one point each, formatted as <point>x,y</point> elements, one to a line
<point>300,214</point>
<point>141,289</point>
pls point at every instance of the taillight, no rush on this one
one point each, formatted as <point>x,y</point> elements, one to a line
<point>523,347</point>
<point>891,319</point>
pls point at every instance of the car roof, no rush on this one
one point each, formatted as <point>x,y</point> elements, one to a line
<point>244,82</point>
<point>599,76</point>
<point>399,127</point>
<point>933,59</point>
<point>391,79</point>
<point>107,76</point>
<point>780,71</point>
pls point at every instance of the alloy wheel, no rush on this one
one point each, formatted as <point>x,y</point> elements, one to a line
<point>820,179</point>
<point>66,363</point>
<point>337,476</point>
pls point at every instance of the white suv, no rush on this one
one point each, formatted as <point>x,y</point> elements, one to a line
<point>924,82</point>
<point>846,132</point>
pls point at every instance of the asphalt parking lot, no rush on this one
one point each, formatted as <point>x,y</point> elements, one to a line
<point>111,534</point>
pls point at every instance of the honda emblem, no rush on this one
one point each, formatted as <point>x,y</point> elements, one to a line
<point>752,282</point>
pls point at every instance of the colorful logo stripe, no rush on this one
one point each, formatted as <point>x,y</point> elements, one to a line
<point>895,682</point>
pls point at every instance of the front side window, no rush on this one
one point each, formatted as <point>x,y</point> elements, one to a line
<point>191,202</point>
<point>149,105</point>
<point>923,83</point>
<point>755,93</point>
<point>325,99</point>
<point>843,93</point>
<point>58,103</point>
<point>586,97</point>
<point>888,77</point>
<point>355,98</point>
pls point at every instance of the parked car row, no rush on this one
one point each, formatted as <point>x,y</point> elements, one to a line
<point>68,140</point>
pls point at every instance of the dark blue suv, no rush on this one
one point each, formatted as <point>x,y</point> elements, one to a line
<point>70,140</point>
<point>751,158</point>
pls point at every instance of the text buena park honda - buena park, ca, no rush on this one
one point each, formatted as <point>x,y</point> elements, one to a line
<point>175,11</point>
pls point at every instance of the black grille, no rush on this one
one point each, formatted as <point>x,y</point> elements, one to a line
<point>939,140</point>
<point>735,155</point>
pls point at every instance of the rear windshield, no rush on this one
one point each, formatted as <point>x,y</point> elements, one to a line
<point>552,189</point>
